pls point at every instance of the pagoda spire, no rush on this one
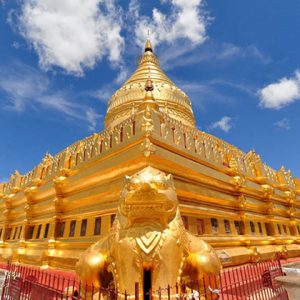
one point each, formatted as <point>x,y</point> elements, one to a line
<point>148,46</point>
<point>159,92</point>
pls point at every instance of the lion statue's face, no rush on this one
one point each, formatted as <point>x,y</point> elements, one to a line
<point>149,194</point>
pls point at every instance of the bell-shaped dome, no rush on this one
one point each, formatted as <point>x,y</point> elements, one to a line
<point>167,95</point>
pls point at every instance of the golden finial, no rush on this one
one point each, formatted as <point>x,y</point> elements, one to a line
<point>148,46</point>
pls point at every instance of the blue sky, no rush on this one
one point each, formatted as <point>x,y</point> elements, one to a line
<point>61,60</point>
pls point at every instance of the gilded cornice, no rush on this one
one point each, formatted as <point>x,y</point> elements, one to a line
<point>66,161</point>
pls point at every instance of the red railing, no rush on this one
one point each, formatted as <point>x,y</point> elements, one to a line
<point>254,281</point>
<point>3,266</point>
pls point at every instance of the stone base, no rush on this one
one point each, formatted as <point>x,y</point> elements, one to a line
<point>292,285</point>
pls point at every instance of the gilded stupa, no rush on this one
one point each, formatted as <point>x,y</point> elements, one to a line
<point>166,94</point>
<point>232,200</point>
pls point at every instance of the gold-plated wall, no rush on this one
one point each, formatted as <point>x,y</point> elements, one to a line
<point>239,205</point>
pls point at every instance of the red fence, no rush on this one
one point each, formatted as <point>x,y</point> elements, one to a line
<point>253,281</point>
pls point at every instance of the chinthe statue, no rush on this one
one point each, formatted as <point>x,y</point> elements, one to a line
<point>148,242</point>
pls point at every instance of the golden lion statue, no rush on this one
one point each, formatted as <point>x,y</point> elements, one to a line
<point>148,242</point>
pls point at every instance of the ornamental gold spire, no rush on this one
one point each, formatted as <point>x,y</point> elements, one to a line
<point>148,46</point>
<point>166,94</point>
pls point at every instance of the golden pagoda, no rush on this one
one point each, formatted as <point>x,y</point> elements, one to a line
<point>237,204</point>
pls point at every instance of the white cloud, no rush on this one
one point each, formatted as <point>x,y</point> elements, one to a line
<point>72,34</point>
<point>23,85</point>
<point>123,75</point>
<point>133,9</point>
<point>279,94</point>
<point>203,94</point>
<point>16,45</point>
<point>103,94</point>
<point>211,51</point>
<point>93,118</point>
<point>25,88</point>
<point>283,124</point>
<point>185,21</point>
<point>225,51</point>
<point>224,124</point>
<point>242,87</point>
<point>200,93</point>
